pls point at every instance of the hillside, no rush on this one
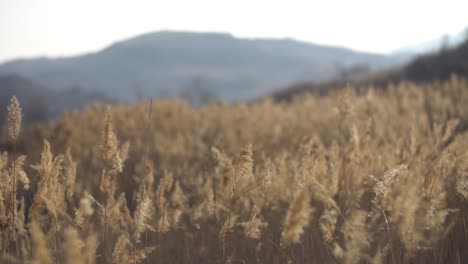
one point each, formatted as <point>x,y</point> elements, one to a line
<point>41,103</point>
<point>185,64</point>
<point>437,66</point>
<point>433,45</point>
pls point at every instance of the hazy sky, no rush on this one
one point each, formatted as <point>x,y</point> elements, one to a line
<point>60,27</point>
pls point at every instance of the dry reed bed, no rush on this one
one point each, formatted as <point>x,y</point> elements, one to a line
<point>379,176</point>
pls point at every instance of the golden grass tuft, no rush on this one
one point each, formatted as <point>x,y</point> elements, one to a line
<point>297,217</point>
<point>14,119</point>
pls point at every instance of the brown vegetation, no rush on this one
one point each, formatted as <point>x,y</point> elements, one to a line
<point>379,176</point>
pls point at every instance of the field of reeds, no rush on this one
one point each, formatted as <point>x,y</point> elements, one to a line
<point>357,176</point>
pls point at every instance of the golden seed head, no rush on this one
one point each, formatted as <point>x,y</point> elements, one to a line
<point>14,119</point>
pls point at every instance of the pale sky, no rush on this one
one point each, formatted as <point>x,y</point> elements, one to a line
<point>58,27</point>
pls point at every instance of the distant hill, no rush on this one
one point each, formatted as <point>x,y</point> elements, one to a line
<point>433,45</point>
<point>40,103</point>
<point>438,65</point>
<point>188,64</point>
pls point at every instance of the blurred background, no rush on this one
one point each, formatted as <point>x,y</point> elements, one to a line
<point>63,55</point>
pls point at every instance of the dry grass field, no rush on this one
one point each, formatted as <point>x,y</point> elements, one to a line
<point>357,176</point>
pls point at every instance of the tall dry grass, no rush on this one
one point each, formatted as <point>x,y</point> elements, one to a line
<point>358,176</point>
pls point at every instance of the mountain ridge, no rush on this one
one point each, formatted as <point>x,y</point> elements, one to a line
<point>437,66</point>
<point>168,63</point>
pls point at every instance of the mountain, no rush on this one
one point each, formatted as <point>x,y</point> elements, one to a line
<point>40,103</point>
<point>433,45</point>
<point>203,66</point>
<point>438,65</point>
<point>435,66</point>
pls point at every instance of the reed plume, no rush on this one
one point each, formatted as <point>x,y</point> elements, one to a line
<point>297,218</point>
<point>14,119</point>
